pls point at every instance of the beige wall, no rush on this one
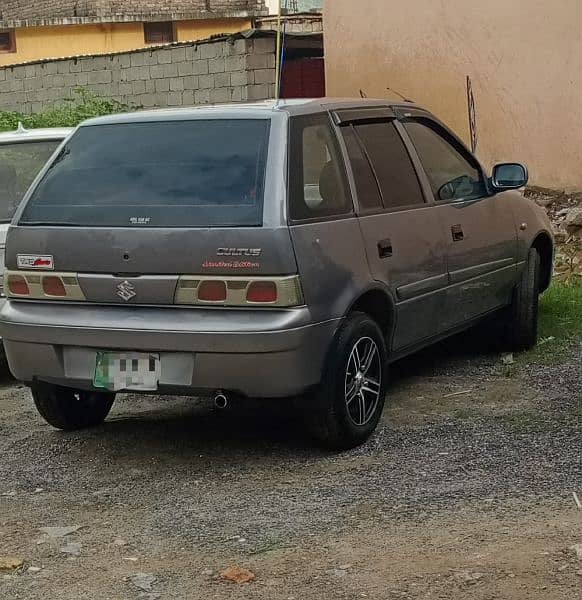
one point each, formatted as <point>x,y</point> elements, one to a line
<point>524,57</point>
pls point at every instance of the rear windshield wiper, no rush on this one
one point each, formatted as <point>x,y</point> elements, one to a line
<point>49,224</point>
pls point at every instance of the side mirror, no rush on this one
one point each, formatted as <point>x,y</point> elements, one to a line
<point>509,176</point>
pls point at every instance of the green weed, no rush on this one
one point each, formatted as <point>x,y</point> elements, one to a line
<point>70,113</point>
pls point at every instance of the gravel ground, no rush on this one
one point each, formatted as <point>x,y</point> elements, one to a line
<point>468,484</point>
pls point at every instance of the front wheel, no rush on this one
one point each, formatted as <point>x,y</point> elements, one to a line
<point>69,409</point>
<point>522,322</point>
<point>344,411</point>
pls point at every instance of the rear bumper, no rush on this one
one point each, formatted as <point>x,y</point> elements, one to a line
<point>261,353</point>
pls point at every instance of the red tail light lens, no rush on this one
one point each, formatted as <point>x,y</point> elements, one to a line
<point>53,286</point>
<point>17,285</point>
<point>262,292</point>
<point>212,291</point>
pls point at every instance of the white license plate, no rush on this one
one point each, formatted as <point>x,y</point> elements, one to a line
<point>117,371</point>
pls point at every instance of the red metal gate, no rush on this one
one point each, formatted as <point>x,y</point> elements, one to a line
<point>303,78</point>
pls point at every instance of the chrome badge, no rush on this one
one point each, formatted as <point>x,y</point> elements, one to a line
<point>126,291</point>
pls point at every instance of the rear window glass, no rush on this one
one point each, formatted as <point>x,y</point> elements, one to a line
<point>198,173</point>
<point>20,163</point>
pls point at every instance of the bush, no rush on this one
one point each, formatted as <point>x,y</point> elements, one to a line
<point>83,105</point>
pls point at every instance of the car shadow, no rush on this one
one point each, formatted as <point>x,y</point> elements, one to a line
<point>264,427</point>
<point>471,347</point>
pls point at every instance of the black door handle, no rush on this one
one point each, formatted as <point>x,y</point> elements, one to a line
<point>458,234</point>
<point>385,248</point>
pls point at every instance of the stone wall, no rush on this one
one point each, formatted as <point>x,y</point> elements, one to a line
<point>25,10</point>
<point>222,70</point>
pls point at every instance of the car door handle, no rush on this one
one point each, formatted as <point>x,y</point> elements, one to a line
<point>458,234</point>
<point>385,248</point>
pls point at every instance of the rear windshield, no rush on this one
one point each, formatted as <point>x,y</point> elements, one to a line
<point>168,174</point>
<point>20,163</point>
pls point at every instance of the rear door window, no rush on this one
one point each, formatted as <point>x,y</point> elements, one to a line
<point>197,173</point>
<point>317,184</point>
<point>391,163</point>
<point>369,199</point>
<point>20,163</point>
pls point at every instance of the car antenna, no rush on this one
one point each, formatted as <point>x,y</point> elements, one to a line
<point>21,128</point>
<point>399,94</point>
<point>363,94</point>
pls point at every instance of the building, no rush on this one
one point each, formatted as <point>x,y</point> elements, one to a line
<point>523,62</point>
<point>295,6</point>
<point>43,29</point>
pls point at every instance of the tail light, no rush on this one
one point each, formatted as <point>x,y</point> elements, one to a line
<point>212,291</point>
<point>262,292</point>
<point>53,286</point>
<point>17,286</point>
<point>37,286</point>
<point>240,291</point>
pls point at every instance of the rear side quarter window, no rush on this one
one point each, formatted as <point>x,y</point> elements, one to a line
<point>317,180</point>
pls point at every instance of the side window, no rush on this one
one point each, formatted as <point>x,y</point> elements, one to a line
<point>366,186</point>
<point>392,165</point>
<point>316,171</point>
<point>452,175</point>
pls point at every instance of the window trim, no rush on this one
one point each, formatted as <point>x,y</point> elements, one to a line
<point>11,48</point>
<point>172,26</point>
<point>344,174</point>
<point>450,138</point>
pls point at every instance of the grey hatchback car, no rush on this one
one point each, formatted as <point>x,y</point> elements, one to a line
<point>271,250</point>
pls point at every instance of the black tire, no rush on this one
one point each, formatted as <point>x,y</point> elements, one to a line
<point>69,409</point>
<point>335,421</point>
<point>522,325</point>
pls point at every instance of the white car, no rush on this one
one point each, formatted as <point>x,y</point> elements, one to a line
<point>23,153</point>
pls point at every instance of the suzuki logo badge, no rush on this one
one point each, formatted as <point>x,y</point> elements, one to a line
<point>126,291</point>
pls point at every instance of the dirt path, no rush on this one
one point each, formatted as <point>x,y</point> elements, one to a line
<point>466,491</point>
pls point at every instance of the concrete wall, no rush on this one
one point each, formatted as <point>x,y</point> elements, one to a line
<point>57,41</point>
<point>180,75</point>
<point>525,60</point>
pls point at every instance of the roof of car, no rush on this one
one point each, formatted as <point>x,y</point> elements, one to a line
<point>262,109</point>
<point>33,135</point>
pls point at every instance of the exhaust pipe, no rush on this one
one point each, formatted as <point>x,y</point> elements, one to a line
<point>220,400</point>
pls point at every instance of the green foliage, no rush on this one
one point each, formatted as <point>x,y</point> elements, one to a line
<point>560,322</point>
<point>83,105</point>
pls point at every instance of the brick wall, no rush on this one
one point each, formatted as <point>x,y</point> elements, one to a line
<point>225,70</point>
<point>22,10</point>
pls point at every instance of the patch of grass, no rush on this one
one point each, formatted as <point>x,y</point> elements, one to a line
<point>82,106</point>
<point>524,422</point>
<point>560,322</point>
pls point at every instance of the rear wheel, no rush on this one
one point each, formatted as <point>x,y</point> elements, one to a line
<point>70,409</point>
<point>345,409</point>
<point>522,317</point>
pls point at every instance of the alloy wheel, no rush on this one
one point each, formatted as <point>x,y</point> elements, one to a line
<point>363,381</point>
